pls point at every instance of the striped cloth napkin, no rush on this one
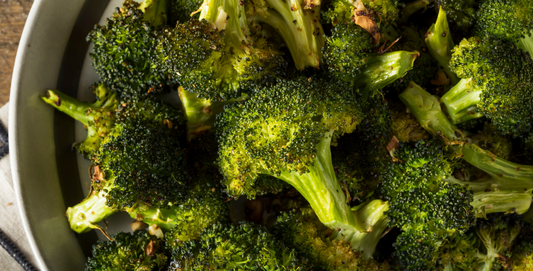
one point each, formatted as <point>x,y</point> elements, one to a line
<point>10,222</point>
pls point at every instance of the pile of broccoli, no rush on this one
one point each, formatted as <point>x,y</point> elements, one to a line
<point>311,135</point>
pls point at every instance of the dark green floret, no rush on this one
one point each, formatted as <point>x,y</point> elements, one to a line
<point>497,83</point>
<point>242,247</point>
<point>440,44</point>
<point>422,204</point>
<point>128,252</point>
<point>359,157</point>
<point>285,131</point>
<point>123,51</point>
<point>487,246</point>
<point>510,20</point>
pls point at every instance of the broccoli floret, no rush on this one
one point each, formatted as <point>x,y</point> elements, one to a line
<point>459,251</point>
<point>422,204</point>
<point>122,53</point>
<point>360,156</point>
<point>98,117</point>
<point>522,254</point>
<point>241,247</point>
<point>302,230</point>
<point>440,43</point>
<point>485,247</point>
<point>128,252</point>
<point>181,11</point>
<point>285,131</point>
<point>348,57</point>
<point>405,126</point>
<point>497,79</point>
<point>139,164</point>
<point>510,20</point>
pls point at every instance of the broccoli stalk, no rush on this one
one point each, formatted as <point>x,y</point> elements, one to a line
<point>440,43</point>
<point>84,216</point>
<point>299,27</point>
<point>507,20</point>
<point>413,7</point>
<point>426,108</point>
<point>319,186</point>
<point>383,69</point>
<point>200,113</point>
<point>526,43</point>
<point>98,117</point>
<point>461,101</point>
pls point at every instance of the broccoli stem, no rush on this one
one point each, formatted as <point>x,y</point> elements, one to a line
<point>201,113</point>
<point>78,110</point>
<point>300,29</point>
<point>384,69</point>
<point>321,189</point>
<point>85,215</point>
<point>426,108</point>
<point>461,101</point>
<point>375,221</point>
<point>440,43</point>
<point>501,202</point>
<point>413,7</point>
<point>498,168</point>
<point>526,44</point>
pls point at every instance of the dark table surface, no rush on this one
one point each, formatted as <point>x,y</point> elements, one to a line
<point>13,14</point>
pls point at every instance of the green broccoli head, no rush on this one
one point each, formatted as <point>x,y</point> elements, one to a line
<point>500,85</point>
<point>122,53</point>
<point>460,251</point>
<point>425,207</point>
<point>145,163</point>
<point>360,156</point>
<point>128,251</point>
<point>505,19</point>
<point>348,57</point>
<point>522,254</point>
<point>242,247</point>
<point>346,50</point>
<point>216,65</point>
<point>181,11</point>
<point>493,140</point>
<point>279,128</point>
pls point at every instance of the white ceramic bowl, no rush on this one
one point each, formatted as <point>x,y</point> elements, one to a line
<point>52,54</point>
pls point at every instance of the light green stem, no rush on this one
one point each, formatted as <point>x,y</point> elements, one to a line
<point>440,43</point>
<point>384,69</point>
<point>461,101</point>
<point>426,108</point>
<point>323,192</point>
